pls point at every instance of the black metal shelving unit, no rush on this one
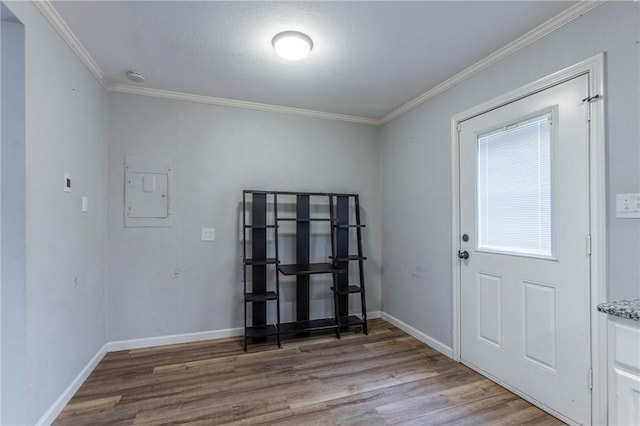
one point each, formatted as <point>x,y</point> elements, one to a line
<point>302,269</point>
<point>341,258</point>
<point>258,294</point>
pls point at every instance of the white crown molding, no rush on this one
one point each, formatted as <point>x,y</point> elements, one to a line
<point>56,21</point>
<point>540,31</point>
<point>167,94</point>
<point>49,12</point>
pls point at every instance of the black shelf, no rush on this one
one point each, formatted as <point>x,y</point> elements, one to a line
<point>261,330</point>
<point>342,254</point>
<point>260,290</point>
<point>347,258</point>
<point>308,325</point>
<point>350,321</point>
<point>351,289</point>
<point>269,261</point>
<point>304,219</point>
<point>308,269</point>
<point>260,297</point>
<point>261,224</point>
<point>258,192</point>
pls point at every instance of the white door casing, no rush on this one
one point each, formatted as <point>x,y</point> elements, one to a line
<point>525,317</point>
<point>594,68</point>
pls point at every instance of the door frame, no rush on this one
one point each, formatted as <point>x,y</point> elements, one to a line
<point>594,69</point>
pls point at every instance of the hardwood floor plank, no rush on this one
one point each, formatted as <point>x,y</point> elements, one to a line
<point>435,401</point>
<point>91,406</point>
<point>203,409</point>
<point>225,361</point>
<point>383,378</point>
<point>324,391</point>
<point>490,410</point>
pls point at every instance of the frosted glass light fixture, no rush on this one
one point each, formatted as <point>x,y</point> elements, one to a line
<point>292,45</point>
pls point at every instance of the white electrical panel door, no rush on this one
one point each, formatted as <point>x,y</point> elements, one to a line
<point>147,191</point>
<point>148,195</point>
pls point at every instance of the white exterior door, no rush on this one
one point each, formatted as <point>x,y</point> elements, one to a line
<point>524,222</point>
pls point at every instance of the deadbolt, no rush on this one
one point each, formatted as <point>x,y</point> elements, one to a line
<point>465,237</point>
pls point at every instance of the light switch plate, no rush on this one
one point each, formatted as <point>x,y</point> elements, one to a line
<point>208,234</point>
<point>628,206</point>
<point>67,182</point>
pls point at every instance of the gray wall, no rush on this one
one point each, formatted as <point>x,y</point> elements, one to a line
<point>416,165</point>
<point>65,248</point>
<point>164,281</point>
<point>13,245</point>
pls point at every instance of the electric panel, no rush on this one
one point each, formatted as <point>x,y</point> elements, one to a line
<point>147,191</point>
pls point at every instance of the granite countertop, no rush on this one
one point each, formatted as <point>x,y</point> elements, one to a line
<point>627,308</point>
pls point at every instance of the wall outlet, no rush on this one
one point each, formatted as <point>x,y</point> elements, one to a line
<point>628,206</point>
<point>208,234</point>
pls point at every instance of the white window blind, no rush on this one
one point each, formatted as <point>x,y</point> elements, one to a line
<point>514,207</point>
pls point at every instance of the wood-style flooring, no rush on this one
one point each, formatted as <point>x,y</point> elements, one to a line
<point>385,378</point>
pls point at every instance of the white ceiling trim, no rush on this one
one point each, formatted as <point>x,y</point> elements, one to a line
<point>49,12</point>
<point>56,21</point>
<point>542,30</point>
<point>44,6</point>
<point>180,96</point>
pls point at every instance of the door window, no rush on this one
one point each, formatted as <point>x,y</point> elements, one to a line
<point>514,194</point>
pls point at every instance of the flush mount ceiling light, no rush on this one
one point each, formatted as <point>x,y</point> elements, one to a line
<point>292,45</point>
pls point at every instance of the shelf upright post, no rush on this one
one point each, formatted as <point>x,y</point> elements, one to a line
<point>259,251</point>
<point>334,261</point>
<point>342,253</point>
<point>303,231</point>
<point>363,299</point>
<point>244,257</point>
<point>275,221</point>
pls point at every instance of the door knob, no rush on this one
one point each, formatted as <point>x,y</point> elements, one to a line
<point>463,254</point>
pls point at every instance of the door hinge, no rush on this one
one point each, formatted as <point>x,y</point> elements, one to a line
<point>588,101</point>
<point>589,245</point>
<point>590,378</point>
<point>591,99</point>
<point>458,127</point>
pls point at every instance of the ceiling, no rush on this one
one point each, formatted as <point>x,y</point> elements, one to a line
<point>369,58</point>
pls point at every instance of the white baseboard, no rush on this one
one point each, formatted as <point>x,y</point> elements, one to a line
<point>374,315</point>
<point>428,340</point>
<point>147,342</point>
<point>56,408</point>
